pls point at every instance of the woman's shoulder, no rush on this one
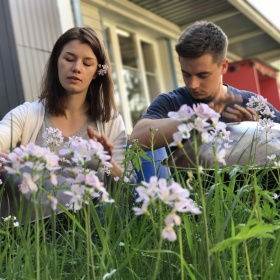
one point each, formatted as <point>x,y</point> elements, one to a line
<point>27,108</point>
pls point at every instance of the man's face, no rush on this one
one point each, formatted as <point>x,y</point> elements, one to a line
<point>203,77</point>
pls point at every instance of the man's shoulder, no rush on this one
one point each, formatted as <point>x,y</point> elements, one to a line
<point>180,95</point>
<point>237,91</point>
<point>180,91</point>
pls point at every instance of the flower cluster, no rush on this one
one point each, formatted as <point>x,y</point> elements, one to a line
<point>275,159</point>
<point>172,195</point>
<point>11,220</point>
<point>35,164</point>
<point>259,105</point>
<point>84,187</point>
<point>103,69</point>
<point>83,151</point>
<point>31,162</point>
<point>204,120</point>
<point>53,137</point>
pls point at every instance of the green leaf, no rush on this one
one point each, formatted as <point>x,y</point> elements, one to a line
<point>258,230</point>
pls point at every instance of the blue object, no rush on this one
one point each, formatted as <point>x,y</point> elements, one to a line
<point>153,169</point>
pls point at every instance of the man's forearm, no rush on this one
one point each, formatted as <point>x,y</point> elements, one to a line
<point>161,129</point>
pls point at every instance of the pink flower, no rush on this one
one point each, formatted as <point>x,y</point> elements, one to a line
<point>220,156</point>
<point>125,179</point>
<point>28,183</point>
<point>186,205</point>
<point>53,137</point>
<point>53,201</point>
<point>143,210</point>
<point>169,233</point>
<point>177,137</point>
<point>203,111</point>
<point>185,113</point>
<point>76,194</point>
<point>173,218</point>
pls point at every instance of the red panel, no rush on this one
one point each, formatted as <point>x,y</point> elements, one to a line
<point>254,76</point>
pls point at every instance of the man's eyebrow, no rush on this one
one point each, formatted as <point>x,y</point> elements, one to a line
<point>200,73</point>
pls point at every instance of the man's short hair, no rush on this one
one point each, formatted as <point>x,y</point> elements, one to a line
<point>201,38</point>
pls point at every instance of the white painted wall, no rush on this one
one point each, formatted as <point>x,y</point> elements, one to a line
<point>66,17</point>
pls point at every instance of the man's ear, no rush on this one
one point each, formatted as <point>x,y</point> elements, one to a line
<point>224,66</point>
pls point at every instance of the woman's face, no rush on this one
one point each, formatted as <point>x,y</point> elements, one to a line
<point>77,66</point>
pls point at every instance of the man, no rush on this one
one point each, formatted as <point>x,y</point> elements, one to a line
<point>202,50</point>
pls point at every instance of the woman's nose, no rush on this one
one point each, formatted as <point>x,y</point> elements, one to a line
<point>76,67</point>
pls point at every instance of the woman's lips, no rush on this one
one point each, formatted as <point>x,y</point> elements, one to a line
<point>74,78</point>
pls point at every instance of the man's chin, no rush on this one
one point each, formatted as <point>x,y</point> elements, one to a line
<point>198,96</point>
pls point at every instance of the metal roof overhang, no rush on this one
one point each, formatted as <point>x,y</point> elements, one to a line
<point>250,35</point>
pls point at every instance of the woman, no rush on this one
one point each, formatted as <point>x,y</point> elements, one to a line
<point>77,98</point>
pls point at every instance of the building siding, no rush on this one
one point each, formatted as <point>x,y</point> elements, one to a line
<point>11,90</point>
<point>91,18</point>
<point>36,26</point>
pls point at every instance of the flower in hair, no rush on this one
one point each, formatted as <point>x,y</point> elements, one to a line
<point>103,69</point>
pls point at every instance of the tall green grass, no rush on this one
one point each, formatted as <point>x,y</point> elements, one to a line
<point>235,237</point>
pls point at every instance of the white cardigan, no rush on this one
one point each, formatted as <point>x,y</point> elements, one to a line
<point>22,125</point>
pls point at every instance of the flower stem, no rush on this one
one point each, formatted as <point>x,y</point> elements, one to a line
<point>203,204</point>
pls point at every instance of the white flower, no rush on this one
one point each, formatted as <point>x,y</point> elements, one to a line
<point>28,183</point>
<point>220,156</point>
<point>169,233</point>
<point>272,157</point>
<point>185,113</point>
<point>53,137</point>
<point>172,218</point>
<point>109,275</point>
<point>53,201</point>
<point>13,219</point>
<point>125,179</point>
<point>143,210</point>
<point>177,137</point>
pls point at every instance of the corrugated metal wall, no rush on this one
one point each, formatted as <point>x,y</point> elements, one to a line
<point>11,91</point>
<point>36,27</point>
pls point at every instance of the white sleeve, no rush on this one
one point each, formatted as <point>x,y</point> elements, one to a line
<point>21,125</point>
<point>11,127</point>
<point>115,130</point>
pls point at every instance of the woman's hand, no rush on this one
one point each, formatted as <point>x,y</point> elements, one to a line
<point>107,144</point>
<point>116,170</point>
<point>3,156</point>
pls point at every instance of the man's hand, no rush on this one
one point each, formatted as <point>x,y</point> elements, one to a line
<point>239,114</point>
<point>107,144</point>
<point>221,103</point>
<point>236,113</point>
